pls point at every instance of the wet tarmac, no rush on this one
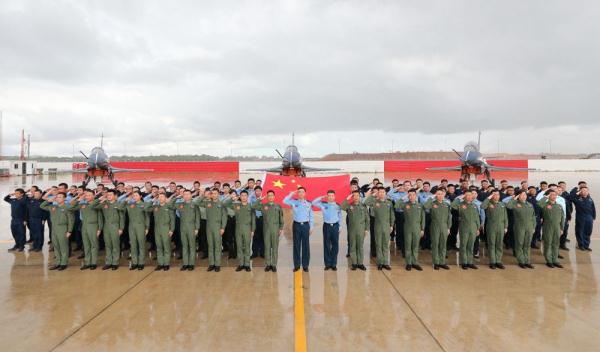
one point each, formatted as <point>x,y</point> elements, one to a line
<point>536,310</point>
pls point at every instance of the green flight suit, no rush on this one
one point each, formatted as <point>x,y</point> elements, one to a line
<point>91,222</point>
<point>523,228</point>
<point>62,222</point>
<point>468,225</point>
<point>383,212</point>
<point>139,223</point>
<point>189,224</point>
<point>496,223</point>
<point>414,224</point>
<point>245,224</point>
<point>216,220</point>
<point>441,222</point>
<point>358,224</point>
<point>272,214</point>
<point>553,222</point>
<point>114,221</point>
<point>164,226</point>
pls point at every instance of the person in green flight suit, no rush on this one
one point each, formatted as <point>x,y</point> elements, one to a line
<point>114,223</point>
<point>216,220</point>
<point>383,213</point>
<point>441,222</point>
<point>414,227</point>
<point>62,225</point>
<point>245,225</point>
<point>468,228</point>
<point>139,223</point>
<point>164,227</point>
<point>91,226</point>
<point>358,227</point>
<point>553,222</point>
<point>188,211</point>
<point>496,225</point>
<point>272,215</point>
<point>523,227</point>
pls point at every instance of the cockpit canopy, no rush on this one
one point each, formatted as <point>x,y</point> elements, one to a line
<point>471,147</point>
<point>97,150</point>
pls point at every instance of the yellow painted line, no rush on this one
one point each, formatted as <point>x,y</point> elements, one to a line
<point>299,323</point>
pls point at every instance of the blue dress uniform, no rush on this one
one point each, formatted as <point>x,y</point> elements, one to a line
<point>35,221</point>
<point>332,222</point>
<point>18,214</point>
<point>585,214</point>
<point>303,223</point>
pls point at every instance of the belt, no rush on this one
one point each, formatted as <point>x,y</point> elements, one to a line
<point>300,222</point>
<point>330,224</point>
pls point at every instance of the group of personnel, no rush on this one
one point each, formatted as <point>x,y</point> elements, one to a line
<point>242,221</point>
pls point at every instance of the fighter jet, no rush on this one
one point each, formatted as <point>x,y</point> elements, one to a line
<point>98,164</point>
<point>291,163</point>
<point>473,163</point>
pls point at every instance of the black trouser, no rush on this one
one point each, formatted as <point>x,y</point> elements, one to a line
<point>425,241</point>
<point>399,238</point>
<point>125,244</point>
<point>563,236</point>
<point>301,246</point>
<point>229,237</point>
<point>150,237</point>
<point>373,248</point>
<point>177,235</point>
<point>453,236</point>
<point>202,240</point>
<point>76,236</point>
<point>583,230</point>
<point>17,227</point>
<point>36,232</point>
<point>258,240</point>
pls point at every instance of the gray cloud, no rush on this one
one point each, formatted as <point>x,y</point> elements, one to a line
<point>229,70</point>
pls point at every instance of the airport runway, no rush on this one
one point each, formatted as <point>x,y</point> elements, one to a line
<point>515,309</point>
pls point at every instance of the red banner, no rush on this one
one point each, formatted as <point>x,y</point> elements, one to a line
<point>315,186</point>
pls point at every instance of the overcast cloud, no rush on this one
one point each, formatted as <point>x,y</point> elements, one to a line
<point>240,76</point>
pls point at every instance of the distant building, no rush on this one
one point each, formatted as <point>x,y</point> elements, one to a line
<point>18,167</point>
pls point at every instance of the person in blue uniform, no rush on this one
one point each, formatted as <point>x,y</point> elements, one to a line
<point>302,228</point>
<point>18,216</point>
<point>585,214</point>
<point>36,218</point>
<point>332,224</point>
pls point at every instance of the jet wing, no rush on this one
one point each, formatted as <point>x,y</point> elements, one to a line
<point>118,169</point>
<point>447,168</point>
<point>273,169</point>
<point>500,168</point>
<point>308,168</point>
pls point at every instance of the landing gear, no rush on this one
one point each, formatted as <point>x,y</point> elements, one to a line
<point>488,176</point>
<point>111,176</point>
<point>88,178</point>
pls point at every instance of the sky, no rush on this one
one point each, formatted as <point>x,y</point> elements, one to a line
<point>238,77</point>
